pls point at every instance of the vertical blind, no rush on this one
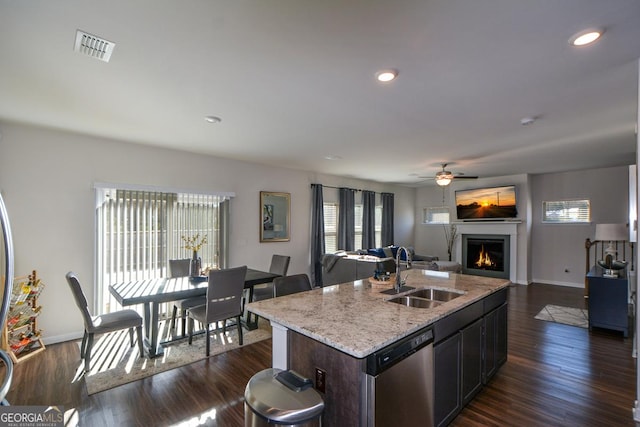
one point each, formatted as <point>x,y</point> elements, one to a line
<point>138,232</point>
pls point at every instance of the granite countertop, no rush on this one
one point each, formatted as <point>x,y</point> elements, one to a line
<point>355,318</point>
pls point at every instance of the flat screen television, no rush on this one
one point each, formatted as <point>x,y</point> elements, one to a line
<point>487,203</point>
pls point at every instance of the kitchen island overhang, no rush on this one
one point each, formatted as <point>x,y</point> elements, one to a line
<point>357,318</point>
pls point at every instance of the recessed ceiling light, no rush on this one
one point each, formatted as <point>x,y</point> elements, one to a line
<point>586,37</point>
<point>332,157</point>
<point>212,119</point>
<point>526,121</point>
<point>385,76</point>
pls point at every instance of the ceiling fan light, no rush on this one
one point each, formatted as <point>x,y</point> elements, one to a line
<point>444,178</point>
<point>443,181</point>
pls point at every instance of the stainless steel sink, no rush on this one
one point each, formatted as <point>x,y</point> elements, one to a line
<point>435,294</point>
<point>394,291</point>
<point>415,302</point>
<point>425,298</point>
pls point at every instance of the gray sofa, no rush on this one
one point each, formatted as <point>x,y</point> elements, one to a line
<point>347,268</point>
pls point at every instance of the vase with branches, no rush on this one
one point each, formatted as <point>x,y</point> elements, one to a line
<point>451,234</point>
<point>194,244</point>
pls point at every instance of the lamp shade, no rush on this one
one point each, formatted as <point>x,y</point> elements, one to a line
<point>611,232</point>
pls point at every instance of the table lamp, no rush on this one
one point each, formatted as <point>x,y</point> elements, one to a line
<point>611,233</point>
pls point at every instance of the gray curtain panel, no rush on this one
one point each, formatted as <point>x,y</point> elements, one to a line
<point>368,219</point>
<point>317,233</point>
<point>387,219</point>
<point>346,220</point>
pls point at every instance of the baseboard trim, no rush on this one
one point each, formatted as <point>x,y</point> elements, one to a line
<point>62,338</point>
<point>553,282</point>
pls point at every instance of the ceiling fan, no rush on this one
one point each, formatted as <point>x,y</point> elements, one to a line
<point>444,177</point>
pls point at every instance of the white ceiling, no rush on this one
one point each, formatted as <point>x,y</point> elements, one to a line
<point>293,81</point>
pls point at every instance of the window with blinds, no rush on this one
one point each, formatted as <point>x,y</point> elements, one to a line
<point>566,211</point>
<point>357,241</point>
<point>331,226</point>
<point>138,232</point>
<point>330,212</point>
<point>436,215</point>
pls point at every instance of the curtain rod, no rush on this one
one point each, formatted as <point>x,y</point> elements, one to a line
<point>337,188</point>
<point>355,189</point>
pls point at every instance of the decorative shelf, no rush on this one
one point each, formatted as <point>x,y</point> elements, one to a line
<point>21,337</point>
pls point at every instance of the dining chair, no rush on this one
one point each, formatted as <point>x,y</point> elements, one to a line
<point>224,301</point>
<point>291,284</point>
<point>279,265</point>
<point>109,322</point>
<point>180,268</point>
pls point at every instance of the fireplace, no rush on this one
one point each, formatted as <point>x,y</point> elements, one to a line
<point>486,255</point>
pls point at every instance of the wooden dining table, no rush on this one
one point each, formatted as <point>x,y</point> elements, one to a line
<point>153,292</point>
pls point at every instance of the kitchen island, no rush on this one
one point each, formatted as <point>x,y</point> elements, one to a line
<point>328,334</point>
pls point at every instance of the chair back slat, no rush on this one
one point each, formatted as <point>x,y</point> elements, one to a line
<point>224,293</point>
<point>291,284</point>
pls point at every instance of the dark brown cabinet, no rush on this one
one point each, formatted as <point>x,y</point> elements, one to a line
<point>446,359</point>
<point>472,365</point>
<point>495,336</point>
<point>470,347</point>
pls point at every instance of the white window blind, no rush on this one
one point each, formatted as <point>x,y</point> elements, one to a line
<point>378,226</point>
<point>436,215</point>
<point>138,231</point>
<point>331,226</point>
<point>330,212</point>
<point>357,240</point>
<point>566,211</point>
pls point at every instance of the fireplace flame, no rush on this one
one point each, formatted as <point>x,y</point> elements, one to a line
<point>483,259</point>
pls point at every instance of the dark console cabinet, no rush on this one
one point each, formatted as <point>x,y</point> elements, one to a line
<point>608,301</point>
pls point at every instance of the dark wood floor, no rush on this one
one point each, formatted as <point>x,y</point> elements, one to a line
<point>556,375</point>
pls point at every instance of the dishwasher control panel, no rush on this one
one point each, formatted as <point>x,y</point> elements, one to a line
<point>390,355</point>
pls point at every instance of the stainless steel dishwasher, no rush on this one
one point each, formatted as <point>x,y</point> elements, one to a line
<point>398,383</point>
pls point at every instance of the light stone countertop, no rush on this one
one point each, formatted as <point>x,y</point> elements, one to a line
<point>355,318</point>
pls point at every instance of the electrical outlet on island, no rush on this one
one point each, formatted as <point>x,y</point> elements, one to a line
<point>321,377</point>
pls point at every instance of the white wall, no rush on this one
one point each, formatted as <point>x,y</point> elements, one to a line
<point>47,177</point>
<point>560,247</point>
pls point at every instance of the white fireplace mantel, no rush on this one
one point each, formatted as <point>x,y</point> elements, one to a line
<point>492,227</point>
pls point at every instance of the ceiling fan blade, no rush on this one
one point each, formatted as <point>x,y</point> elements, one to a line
<point>464,177</point>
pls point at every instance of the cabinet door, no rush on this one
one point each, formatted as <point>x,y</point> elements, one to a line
<point>495,341</point>
<point>471,360</point>
<point>446,360</point>
<point>608,304</point>
<point>501,335</point>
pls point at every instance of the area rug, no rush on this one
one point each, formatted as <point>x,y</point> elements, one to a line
<point>114,362</point>
<point>565,315</point>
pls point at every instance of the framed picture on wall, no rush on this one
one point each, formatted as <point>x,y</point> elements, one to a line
<point>275,215</point>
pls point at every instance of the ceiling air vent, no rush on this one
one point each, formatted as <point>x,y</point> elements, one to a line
<point>93,46</point>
